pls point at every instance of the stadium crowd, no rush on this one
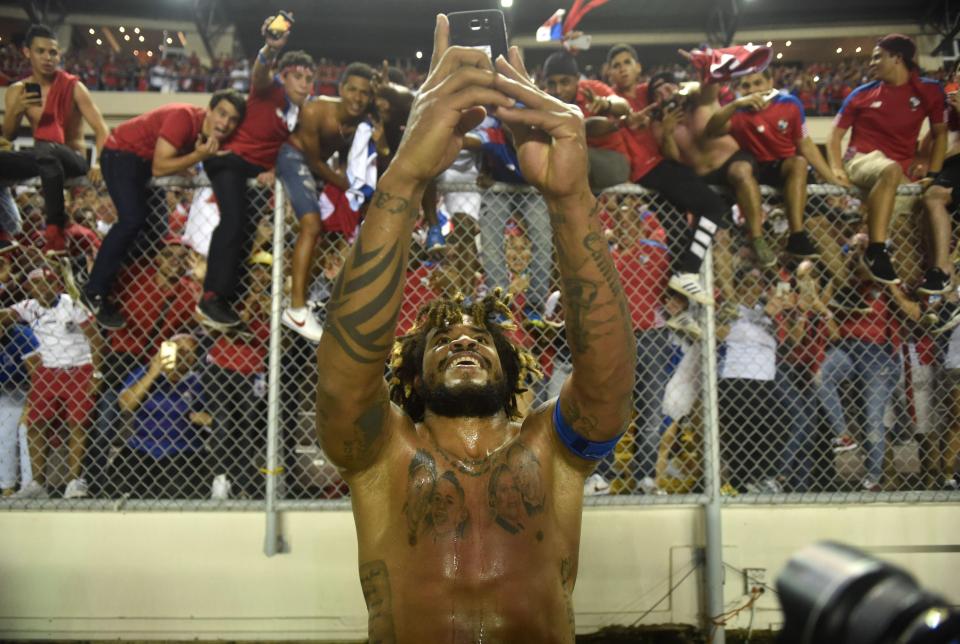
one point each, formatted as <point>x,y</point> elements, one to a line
<point>137,318</point>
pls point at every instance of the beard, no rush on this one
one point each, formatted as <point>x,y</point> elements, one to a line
<point>467,401</point>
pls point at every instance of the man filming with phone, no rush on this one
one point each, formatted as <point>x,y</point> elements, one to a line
<point>468,516</point>
<point>54,103</point>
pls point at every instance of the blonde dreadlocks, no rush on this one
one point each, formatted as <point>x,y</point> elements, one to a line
<point>493,314</point>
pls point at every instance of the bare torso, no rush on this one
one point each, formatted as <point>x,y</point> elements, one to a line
<point>73,128</point>
<point>319,119</point>
<point>703,154</point>
<point>470,551</point>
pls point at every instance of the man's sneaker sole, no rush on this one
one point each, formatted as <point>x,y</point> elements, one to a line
<point>291,324</point>
<point>949,325</point>
<point>875,277</point>
<point>11,246</point>
<point>842,449</point>
<point>927,291</point>
<point>214,324</point>
<point>700,297</point>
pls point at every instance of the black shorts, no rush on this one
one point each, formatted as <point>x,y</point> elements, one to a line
<point>949,177</point>
<point>718,177</point>
<point>769,173</point>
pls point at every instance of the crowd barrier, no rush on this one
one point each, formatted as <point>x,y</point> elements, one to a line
<point>799,412</point>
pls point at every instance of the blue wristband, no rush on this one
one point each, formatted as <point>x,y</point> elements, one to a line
<point>582,447</point>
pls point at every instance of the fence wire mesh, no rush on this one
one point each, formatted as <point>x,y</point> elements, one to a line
<point>831,388</point>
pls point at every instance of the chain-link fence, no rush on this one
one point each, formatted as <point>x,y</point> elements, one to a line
<point>830,387</point>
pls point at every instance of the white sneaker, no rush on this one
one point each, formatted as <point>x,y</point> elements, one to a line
<point>596,485</point>
<point>76,489</point>
<point>32,490</point>
<point>649,486</point>
<point>689,284</point>
<point>684,324</point>
<point>302,321</point>
<point>220,490</point>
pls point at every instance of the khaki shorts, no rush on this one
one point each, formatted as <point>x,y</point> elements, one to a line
<point>864,171</point>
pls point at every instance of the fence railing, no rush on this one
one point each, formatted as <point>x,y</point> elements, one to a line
<point>827,388</point>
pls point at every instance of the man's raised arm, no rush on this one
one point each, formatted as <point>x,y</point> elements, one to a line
<point>352,400</point>
<point>595,402</point>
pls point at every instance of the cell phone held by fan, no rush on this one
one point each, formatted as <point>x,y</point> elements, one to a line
<point>32,89</point>
<point>485,30</point>
<point>168,355</point>
<point>280,25</point>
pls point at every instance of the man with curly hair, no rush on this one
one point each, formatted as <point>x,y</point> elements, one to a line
<point>468,515</point>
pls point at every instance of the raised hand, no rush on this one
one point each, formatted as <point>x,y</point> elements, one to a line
<point>548,134</point>
<point>449,104</point>
<point>275,44</point>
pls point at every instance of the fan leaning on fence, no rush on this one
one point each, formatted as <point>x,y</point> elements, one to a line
<point>468,519</point>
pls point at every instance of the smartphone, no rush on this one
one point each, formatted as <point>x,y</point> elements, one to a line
<point>485,30</point>
<point>168,354</point>
<point>280,25</point>
<point>32,88</point>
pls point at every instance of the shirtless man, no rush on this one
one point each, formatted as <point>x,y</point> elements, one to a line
<point>326,126</point>
<point>716,160</point>
<point>55,119</point>
<point>468,518</point>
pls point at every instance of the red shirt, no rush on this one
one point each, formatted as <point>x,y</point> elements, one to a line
<point>416,293</point>
<point>617,141</point>
<point>646,146</point>
<point>57,108</point>
<point>246,356</point>
<point>880,326</point>
<point>153,314</point>
<point>772,133</point>
<point>644,270</point>
<point>888,118</point>
<point>264,129</point>
<point>177,123</point>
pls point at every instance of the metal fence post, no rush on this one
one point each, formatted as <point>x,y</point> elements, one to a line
<point>272,538</point>
<point>713,538</point>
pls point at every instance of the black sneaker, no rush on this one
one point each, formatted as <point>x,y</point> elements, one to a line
<point>7,245</point>
<point>948,317</point>
<point>935,282</point>
<point>877,263</point>
<point>215,312</point>
<point>799,245</point>
<point>103,310</point>
<point>849,300</point>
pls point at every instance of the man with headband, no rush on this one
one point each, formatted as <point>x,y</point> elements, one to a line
<point>886,115</point>
<point>468,515</point>
<point>273,107</point>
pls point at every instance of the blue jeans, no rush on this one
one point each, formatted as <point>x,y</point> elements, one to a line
<point>496,209</point>
<point>298,181</point>
<point>653,370</point>
<point>798,395</point>
<point>873,369</point>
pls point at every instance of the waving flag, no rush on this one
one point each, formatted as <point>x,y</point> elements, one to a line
<point>579,9</point>
<point>730,62</point>
<point>552,29</point>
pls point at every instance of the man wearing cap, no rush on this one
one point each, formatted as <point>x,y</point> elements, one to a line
<point>676,182</point>
<point>164,141</point>
<point>273,108</point>
<point>157,301</point>
<point>65,383</point>
<point>885,116</point>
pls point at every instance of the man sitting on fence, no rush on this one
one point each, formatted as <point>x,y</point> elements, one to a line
<point>770,126</point>
<point>65,383</point>
<point>272,110</point>
<point>447,470</point>
<point>55,118</point>
<point>164,141</point>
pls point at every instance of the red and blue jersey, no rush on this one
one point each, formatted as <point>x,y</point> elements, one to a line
<point>888,117</point>
<point>772,133</point>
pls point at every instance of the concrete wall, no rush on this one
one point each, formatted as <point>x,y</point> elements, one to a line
<point>185,575</point>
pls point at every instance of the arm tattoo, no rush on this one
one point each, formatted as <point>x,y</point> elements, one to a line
<point>375,583</point>
<point>368,429</point>
<point>583,424</point>
<point>393,204</point>
<point>352,330</point>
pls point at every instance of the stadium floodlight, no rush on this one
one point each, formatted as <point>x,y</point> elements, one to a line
<point>816,79</point>
<point>121,29</point>
<point>169,40</point>
<point>99,42</point>
<point>150,54</point>
<point>788,43</point>
<point>859,49</point>
<point>780,56</point>
<point>839,50</point>
<point>419,55</point>
<point>136,30</point>
<point>141,38</point>
<point>126,37</point>
<point>506,4</point>
<point>136,52</point>
<point>91,31</point>
<point>769,43</point>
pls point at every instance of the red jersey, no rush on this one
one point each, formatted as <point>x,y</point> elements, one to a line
<point>153,314</point>
<point>644,270</point>
<point>56,109</point>
<point>617,141</point>
<point>246,356</point>
<point>646,145</point>
<point>265,129</point>
<point>177,123</point>
<point>888,118</point>
<point>880,326</point>
<point>772,133</point>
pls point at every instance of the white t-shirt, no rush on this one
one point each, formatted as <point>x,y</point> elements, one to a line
<point>751,347</point>
<point>62,342</point>
<point>952,361</point>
